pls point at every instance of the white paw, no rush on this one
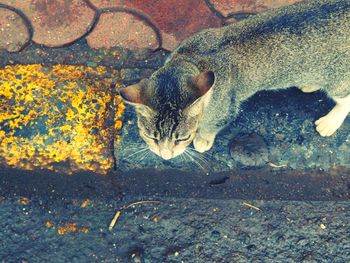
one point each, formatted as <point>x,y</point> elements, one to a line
<point>308,89</point>
<point>328,124</point>
<point>202,145</point>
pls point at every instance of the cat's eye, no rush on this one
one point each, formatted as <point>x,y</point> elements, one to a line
<point>177,141</point>
<point>151,138</point>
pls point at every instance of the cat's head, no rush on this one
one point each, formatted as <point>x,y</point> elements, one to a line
<point>169,107</point>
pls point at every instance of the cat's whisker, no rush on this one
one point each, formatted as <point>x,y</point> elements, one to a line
<point>205,160</point>
<point>183,158</point>
<point>203,156</point>
<point>145,151</point>
<point>141,157</point>
<point>199,164</point>
<point>145,155</point>
<point>195,156</point>
<point>136,145</point>
<point>133,149</point>
<point>188,156</point>
<point>138,152</point>
<point>192,157</point>
<point>200,160</point>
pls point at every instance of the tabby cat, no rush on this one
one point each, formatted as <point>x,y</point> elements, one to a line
<point>202,84</point>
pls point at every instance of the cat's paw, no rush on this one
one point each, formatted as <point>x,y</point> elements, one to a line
<point>309,89</point>
<point>328,124</point>
<point>202,144</point>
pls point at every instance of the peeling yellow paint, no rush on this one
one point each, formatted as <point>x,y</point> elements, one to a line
<point>23,200</point>
<point>58,118</point>
<point>70,228</point>
<point>86,203</point>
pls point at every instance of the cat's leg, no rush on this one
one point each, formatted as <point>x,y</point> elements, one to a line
<point>204,140</point>
<point>309,89</point>
<point>215,121</point>
<point>328,124</point>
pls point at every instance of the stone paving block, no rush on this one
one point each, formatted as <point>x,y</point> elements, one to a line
<point>119,29</point>
<point>227,7</point>
<point>14,33</point>
<point>176,19</point>
<point>61,118</point>
<point>58,22</point>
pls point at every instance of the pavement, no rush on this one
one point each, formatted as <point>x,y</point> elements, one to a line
<point>48,217</point>
<point>109,23</point>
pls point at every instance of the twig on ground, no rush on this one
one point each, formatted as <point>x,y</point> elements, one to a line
<point>140,202</point>
<point>277,166</point>
<point>114,220</point>
<point>250,206</point>
<point>119,212</point>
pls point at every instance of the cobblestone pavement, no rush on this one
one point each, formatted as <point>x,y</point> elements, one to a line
<point>132,24</point>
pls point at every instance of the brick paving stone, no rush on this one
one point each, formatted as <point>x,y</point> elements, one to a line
<point>14,33</point>
<point>122,30</point>
<point>176,19</point>
<point>227,7</point>
<point>58,22</point>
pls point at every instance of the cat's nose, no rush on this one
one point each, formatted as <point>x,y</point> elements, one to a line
<point>165,154</point>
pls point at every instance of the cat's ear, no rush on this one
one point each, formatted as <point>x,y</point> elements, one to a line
<point>136,96</point>
<point>203,83</point>
<point>201,86</point>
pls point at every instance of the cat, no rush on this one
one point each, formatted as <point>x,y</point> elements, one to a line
<point>199,89</point>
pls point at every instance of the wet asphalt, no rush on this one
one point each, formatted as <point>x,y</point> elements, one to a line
<point>224,217</point>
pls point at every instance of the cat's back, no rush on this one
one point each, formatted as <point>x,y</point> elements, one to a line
<point>321,19</point>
